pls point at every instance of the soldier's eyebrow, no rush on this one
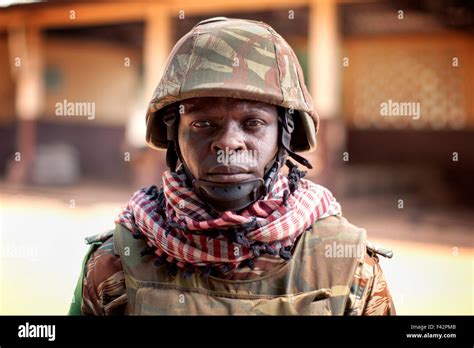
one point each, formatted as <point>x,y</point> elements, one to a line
<point>258,109</point>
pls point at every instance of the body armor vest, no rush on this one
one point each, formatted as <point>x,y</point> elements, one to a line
<point>315,281</point>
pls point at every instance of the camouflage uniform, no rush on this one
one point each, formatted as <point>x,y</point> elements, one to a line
<point>246,60</point>
<point>119,281</point>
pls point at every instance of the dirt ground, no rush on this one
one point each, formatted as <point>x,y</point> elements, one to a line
<point>42,234</point>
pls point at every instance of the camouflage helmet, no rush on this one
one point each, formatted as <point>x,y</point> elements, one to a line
<point>244,59</point>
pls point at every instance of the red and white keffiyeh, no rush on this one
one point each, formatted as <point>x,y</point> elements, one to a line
<point>177,225</point>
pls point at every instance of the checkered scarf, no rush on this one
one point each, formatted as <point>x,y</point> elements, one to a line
<point>184,232</point>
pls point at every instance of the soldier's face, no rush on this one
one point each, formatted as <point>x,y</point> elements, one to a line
<point>227,140</point>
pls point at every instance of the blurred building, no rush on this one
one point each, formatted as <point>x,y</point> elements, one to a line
<point>356,55</point>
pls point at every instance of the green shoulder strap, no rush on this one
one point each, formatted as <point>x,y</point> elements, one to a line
<point>94,242</point>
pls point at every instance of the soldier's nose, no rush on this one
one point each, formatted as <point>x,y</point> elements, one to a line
<point>229,138</point>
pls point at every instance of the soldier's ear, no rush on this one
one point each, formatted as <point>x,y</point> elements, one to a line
<point>171,119</point>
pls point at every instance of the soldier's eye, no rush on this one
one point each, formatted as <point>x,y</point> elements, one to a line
<point>254,123</point>
<point>201,124</point>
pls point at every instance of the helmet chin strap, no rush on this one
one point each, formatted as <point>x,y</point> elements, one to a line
<point>232,196</point>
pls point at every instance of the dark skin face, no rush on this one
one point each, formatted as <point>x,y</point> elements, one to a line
<point>210,126</point>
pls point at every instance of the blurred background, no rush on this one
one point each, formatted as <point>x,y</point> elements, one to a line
<point>407,179</point>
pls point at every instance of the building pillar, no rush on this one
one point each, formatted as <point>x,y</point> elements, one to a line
<point>157,46</point>
<point>25,49</point>
<point>324,77</point>
<point>324,62</point>
<point>150,164</point>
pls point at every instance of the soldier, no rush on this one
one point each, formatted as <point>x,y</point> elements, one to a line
<point>227,233</point>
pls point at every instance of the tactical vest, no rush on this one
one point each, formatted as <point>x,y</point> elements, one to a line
<point>315,281</point>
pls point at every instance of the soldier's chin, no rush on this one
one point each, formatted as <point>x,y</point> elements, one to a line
<point>228,178</point>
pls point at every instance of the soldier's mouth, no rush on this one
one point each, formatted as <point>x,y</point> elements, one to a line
<point>224,178</point>
<point>228,169</point>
